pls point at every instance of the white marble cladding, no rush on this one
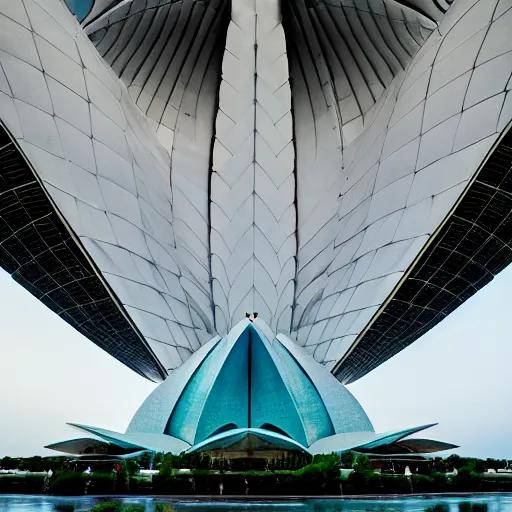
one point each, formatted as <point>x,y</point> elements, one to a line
<point>168,55</point>
<point>102,164</point>
<point>368,193</point>
<point>420,144</point>
<point>253,217</point>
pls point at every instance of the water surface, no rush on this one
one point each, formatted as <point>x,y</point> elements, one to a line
<point>495,503</point>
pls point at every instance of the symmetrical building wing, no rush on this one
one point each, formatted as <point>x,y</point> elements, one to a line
<point>340,167</point>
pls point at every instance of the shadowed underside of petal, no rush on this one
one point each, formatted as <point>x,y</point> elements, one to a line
<point>333,165</point>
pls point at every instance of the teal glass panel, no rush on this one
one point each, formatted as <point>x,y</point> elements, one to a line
<point>309,404</point>
<point>80,8</point>
<point>344,410</point>
<point>270,399</point>
<point>153,415</point>
<point>227,402</point>
<point>189,408</point>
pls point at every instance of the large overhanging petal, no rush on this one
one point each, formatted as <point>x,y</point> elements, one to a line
<point>338,166</point>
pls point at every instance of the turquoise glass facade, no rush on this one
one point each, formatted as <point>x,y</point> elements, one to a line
<point>250,382</point>
<point>250,392</point>
<point>80,8</point>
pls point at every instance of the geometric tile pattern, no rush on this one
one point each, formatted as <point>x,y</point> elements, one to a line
<point>342,59</point>
<point>253,214</point>
<point>474,244</point>
<point>213,160</point>
<point>42,254</point>
<point>356,50</point>
<point>168,54</point>
<point>423,141</point>
<point>102,164</point>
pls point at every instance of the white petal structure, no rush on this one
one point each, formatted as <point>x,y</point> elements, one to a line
<point>253,214</point>
<point>340,167</point>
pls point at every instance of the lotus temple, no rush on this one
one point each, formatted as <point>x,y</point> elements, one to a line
<point>254,202</point>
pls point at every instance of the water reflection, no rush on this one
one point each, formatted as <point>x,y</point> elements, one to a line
<point>495,503</point>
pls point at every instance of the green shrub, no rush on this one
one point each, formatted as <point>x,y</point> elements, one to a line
<point>467,480</point>
<point>362,463</point>
<point>165,469</point>
<point>323,467</point>
<point>479,507</point>
<point>440,481</point>
<point>395,484</point>
<point>101,483</point>
<point>132,507</point>
<point>357,482</point>
<point>117,506</point>
<point>374,483</point>
<point>423,483</point>
<point>68,484</point>
<point>179,484</point>
<point>122,479</point>
<point>369,482</point>
<point>107,506</point>
<point>64,507</point>
<point>132,466</point>
<point>438,507</point>
<point>164,507</point>
<point>464,506</point>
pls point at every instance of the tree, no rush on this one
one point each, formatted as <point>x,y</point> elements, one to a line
<point>33,464</point>
<point>456,461</point>
<point>132,467</point>
<point>362,464</point>
<point>468,479</point>
<point>157,459</point>
<point>166,466</point>
<point>145,459</point>
<point>122,479</point>
<point>495,464</point>
<point>9,463</point>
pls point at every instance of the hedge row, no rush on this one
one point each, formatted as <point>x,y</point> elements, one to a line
<point>206,483</point>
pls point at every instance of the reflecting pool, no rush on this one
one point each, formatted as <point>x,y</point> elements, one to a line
<point>494,502</point>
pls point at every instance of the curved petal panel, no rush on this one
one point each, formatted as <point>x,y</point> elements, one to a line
<point>333,165</point>
<point>246,381</point>
<point>142,441</point>
<point>244,395</point>
<point>361,440</point>
<point>248,439</point>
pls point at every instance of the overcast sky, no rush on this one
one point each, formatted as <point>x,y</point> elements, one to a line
<point>458,375</point>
